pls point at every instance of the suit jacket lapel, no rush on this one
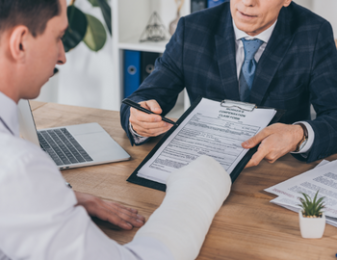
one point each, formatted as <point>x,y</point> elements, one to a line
<point>271,58</point>
<point>225,50</point>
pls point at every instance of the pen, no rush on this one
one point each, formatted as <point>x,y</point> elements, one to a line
<point>140,108</point>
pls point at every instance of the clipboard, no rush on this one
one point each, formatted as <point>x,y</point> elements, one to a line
<point>239,167</point>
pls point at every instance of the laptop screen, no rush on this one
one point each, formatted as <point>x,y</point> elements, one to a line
<point>27,123</point>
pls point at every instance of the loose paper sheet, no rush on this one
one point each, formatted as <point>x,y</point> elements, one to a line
<point>209,129</point>
<point>322,178</point>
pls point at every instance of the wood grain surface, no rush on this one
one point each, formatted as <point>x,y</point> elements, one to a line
<point>247,226</point>
<point>36,104</point>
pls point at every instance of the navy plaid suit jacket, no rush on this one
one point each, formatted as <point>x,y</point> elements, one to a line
<point>297,68</point>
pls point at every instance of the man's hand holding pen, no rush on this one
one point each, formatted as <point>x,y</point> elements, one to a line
<point>148,125</point>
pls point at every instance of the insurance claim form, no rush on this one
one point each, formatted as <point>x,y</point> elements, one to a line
<point>209,129</point>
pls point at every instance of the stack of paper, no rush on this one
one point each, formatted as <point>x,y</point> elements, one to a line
<point>210,129</point>
<point>322,178</point>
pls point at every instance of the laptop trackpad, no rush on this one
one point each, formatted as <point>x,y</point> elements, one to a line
<point>97,142</point>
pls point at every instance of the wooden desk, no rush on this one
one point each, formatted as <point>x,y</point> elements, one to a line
<point>248,226</point>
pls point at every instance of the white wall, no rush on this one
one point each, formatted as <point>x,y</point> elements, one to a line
<point>306,3</point>
<point>328,10</point>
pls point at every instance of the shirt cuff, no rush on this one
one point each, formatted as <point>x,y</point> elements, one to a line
<point>311,137</point>
<point>136,137</point>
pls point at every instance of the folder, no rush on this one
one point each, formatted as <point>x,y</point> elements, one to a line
<point>131,72</point>
<point>148,60</point>
<point>212,3</point>
<point>198,5</point>
<point>197,132</point>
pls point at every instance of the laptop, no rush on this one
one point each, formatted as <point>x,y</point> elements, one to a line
<point>71,146</point>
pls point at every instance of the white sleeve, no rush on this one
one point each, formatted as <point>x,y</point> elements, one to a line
<point>39,219</point>
<point>3,256</point>
<point>311,138</point>
<point>136,137</point>
<point>194,195</point>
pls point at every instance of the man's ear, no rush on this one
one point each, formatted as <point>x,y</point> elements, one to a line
<point>287,3</point>
<point>18,42</point>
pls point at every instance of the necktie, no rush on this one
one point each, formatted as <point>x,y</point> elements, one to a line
<point>248,67</point>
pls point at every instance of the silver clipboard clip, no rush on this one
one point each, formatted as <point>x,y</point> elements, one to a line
<point>241,105</point>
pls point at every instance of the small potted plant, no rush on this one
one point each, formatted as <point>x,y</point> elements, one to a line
<point>312,219</point>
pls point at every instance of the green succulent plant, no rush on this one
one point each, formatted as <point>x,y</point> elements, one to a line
<point>87,28</point>
<point>312,208</point>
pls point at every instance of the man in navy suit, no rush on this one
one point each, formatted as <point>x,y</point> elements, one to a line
<point>270,53</point>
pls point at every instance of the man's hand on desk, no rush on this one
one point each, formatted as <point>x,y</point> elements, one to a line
<point>148,125</point>
<point>123,217</point>
<point>276,140</point>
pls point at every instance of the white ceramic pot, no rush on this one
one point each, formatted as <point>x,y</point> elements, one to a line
<point>312,227</point>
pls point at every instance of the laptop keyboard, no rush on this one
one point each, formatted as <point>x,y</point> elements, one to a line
<point>62,147</point>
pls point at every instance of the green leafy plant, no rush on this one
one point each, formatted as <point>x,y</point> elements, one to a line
<point>312,208</point>
<point>87,28</point>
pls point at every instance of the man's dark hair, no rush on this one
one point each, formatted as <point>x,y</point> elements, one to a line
<point>31,13</point>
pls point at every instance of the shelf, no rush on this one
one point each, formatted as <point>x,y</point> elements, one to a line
<point>130,18</point>
<point>135,45</point>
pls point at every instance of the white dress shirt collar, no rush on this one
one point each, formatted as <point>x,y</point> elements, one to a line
<point>239,49</point>
<point>9,114</point>
<point>263,36</point>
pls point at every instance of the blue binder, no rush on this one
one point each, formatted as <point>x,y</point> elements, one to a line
<point>131,72</point>
<point>212,3</point>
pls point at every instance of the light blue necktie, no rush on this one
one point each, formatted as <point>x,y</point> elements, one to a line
<point>248,67</point>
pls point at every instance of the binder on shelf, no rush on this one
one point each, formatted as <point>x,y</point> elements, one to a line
<point>148,60</point>
<point>131,72</point>
<point>205,132</point>
<point>198,5</point>
<point>212,3</point>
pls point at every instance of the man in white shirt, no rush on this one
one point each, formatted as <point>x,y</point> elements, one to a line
<point>41,217</point>
<point>269,53</point>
